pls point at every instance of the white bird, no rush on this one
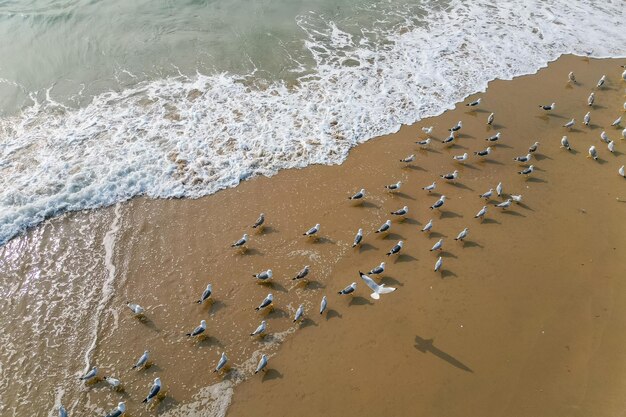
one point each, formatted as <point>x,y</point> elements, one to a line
<point>222,362</point>
<point>263,276</point>
<point>533,148</point>
<point>114,382</point>
<point>428,226</point>
<point>93,372</point>
<point>571,77</point>
<point>449,139</point>
<point>323,304</point>
<point>438,264</point>
<point>621,171</point>
<point>205,294</point>
<point>299,313</point>
<point>303,273</point>
<point>437,246</point>
<point>451,176</point>
<point>359,195</point>
<point>517,198</point>
<point>427,130</point>
<point>587,118</point>
<point>484,152</point>
<point>624,134</point>
<point>377,289</point>
<point>378,270</point>
<point>460,158</point>
<point>358,238</point>
<point>240,242</point>
<point>487,195</point>
<point>601,81</point>
<point>591,99</point>
<point>401,212</point>
<point>548,107</point>
<point>259,330</point>
<point>604,137</point>
<point>617,122</point>
<point>624,77</point>
<point>490,119</point>
<point>430,187</point>
<point>611,146</point>
<point>143,359</point>
<point>396,248</point>
<point>408,159</point>
<point>313,230</point>
<point>117,411</point>
<point>499,189</point>
<point>267,301</point>
<point>505,204</point>
<point>385,226</point>
<point>439,203</point>
<point>565,143</point>
<point>393,187</point>
<point>523,159</point>
<point>457,127</point>
<point>154,391</point>
<point>135,308</point>
<point>593,153</point>
<point>569,124</point>
<point>424,143</point>
<point>259,221</point>
<point>474,103</point>
<point>494,138</point>
<point>481,213</point>
<point>348,290</point>
<point>198,330</point>
<point>262,364</point>
<point>462,235</point>
<point>527,171</point>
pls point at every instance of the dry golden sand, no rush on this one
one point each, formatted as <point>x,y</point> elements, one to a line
<point>528,317</point>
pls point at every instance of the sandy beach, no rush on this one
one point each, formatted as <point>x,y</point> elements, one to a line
<point>526,317</point>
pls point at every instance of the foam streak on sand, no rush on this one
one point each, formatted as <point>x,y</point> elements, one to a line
<point>189,137</point>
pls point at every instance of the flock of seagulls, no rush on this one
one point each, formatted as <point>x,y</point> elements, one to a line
<point>368,279</point>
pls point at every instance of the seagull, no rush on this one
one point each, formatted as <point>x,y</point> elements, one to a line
<point>487,195</point>
<point>481,213</point>
<point>460,158</point>
<point>569,124</point>
<point>624,75</point>
<point>263,276</point>
<point>156,387</point>
<point>117,411</point>
<point>377,289</point>
<point>457,127</point>
<point>437,246</point>
<point>262,364</point>
<point>565,143</point>
<point>449,139</point>
<point>62,412</point>
<point>617,122</point>
<point>402,212</point>
<point>299,313</point>
<point>604,137</point>
<point>533,148</point>
<point>359,195</point>
<point>259,330</point>
<point>267,301</point>
<point>259,221</point>
<point>393,187</point>
<point>601,81</point>
<point>397,247</point>
<point>378,270</point>
<point>428,226</point>
<point>548,107</point>
<point>591,99</point>
<point>621,172</point>
<point>135,308</point>
<point>430,187</point>
<point>142,360</point>
<point>517,198</point>
<point>499,189</point>
<point>438,264</point>
<point>490,119</point>
<point>427,130</point>
<point>408,159</point>
<point>624,134</point>
<point>90,375</point>
<point>462,235</point>
<point>385,226</point>
<point>323,304</point>
<point>571,77</point>
<point>611,146</point>
<point>313,230</point>
<point>505,204</point>
<point>240,242</point>
<point>439,202</point>
<point>587,118</point>
<point>114,382</point>
<point>303,273</point>
<point>424,143</point>
<point>358,238</point>
<point>523,159</point>
<point>205,294</point>
<point>484,152</point>
<point>474,103</point>
<point>593,153</point>
<point>494,138</point>
<point>348,290</point>
<point>198,330</point>
<point>222,362</point>
<point>527,171</point>
<point>451,176</point>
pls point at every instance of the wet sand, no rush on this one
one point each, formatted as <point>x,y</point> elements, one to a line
<point>526,317</point>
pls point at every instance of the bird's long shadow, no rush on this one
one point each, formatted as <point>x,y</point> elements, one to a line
<point>471,244</point>
<point>322,240</point>
<point>489,220</point>
<point>536,179</point>
<point>601,161</point>
<point>447,214</point>
<point>461,185</point>
<point>166,404</point>
<point>152,369</point>
<point>427,345</point>
<point>268,230</point>
<point>503,146</point>
<point>432,235</point>
<point>273,285</point>
<point>216,306</point>
<point>393,236</point>
<point>403,195</point>
<point>469,166</point>
<point>364,247</point>
<point>359,301</point>
<point>409,220</point>
<point>271,374</point>
<point>251,252</point>
<point>415,168</point>
<point>148,323</point>
<point>368,204</point>
<point>389,281</point>
<point>456,146</point>
<point>445,254</point>
<point>307,322</point>
<point>426,150</point>
<point>276,313</point>
<point>513,213</point>
<point>209,341</point>
<point>314,285</point>
<point>541,157</point>
<point>331,314</point>
<point>525,206</point>
<point>403,257</point>
<point>492,161</point>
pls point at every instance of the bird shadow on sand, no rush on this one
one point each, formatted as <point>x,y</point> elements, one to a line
<point>166,403</point>
<point>428,345</point>
<point>268,230</point>
<point>502,145</point>
<point>617,153</point>
<point>524,206</point>
<point>216,306</point>
<point>251,252</point>
<point>331,314</point>
<point>536,179</point>
<point>364,247</point>
<point>472,244</point>
<point>456,146</point>
<point>391,281</point>
<point>513,213</point>
<point>368,204</point>
<point>403,257</point>
<point>307,322</point>
<point>393,236</point>
<point>468,166</point>
<point>322,240</point>
<point>402,195</point>
<point>445,254</point>
<point>494,126</point>
<point>152,369</point>
<point>490,220</point>
<point>601,161</point>
<point>209,341</point>
<point>313,285</point>
<point>492,161</point>
<point>359,301</point>
<point>447,214</point>
<point>276,313</point>
<point>273,285</point>
<point>426,150</point>
<point>541,157</point>
<point>271,374</point>
<point>148,323</point>
<point>414,168</point>
<point>434,235</point>
<point>409,220</point>
<point>461,185</point>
